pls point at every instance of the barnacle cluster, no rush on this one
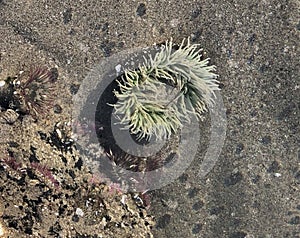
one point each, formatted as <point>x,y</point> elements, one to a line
<point>144,104</point>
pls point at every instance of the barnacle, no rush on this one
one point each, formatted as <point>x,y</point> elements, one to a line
<point>144,104</point>
<point>33,88</point>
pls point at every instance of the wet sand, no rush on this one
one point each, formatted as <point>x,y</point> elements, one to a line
<point>253,189</point>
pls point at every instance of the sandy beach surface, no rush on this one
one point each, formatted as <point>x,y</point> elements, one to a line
<point>47,188</point>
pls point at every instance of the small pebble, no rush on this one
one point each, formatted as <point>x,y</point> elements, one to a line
<point>141,10</point>
<point>266,140</point>
<point>183,178</point>
<point>74,89</point>
<point>163,221</point>
<point>233,179</point>
<point>295,220</point>
<point>277,175</point>
<point>198,205</point>
<point>67,15</point>
<point>239,148</point>
<point>239,234</point>
<point>193,192</point>
<point>75,218</point>
<point>118,68</point>
<point>197,228</point>
<point>79,212</point>
<point>195,13</point>
<point>57,109</point>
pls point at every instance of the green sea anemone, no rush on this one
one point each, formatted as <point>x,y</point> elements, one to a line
<point>156,98</point>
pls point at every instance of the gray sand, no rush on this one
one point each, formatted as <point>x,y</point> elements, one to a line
<point>253,190</point>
